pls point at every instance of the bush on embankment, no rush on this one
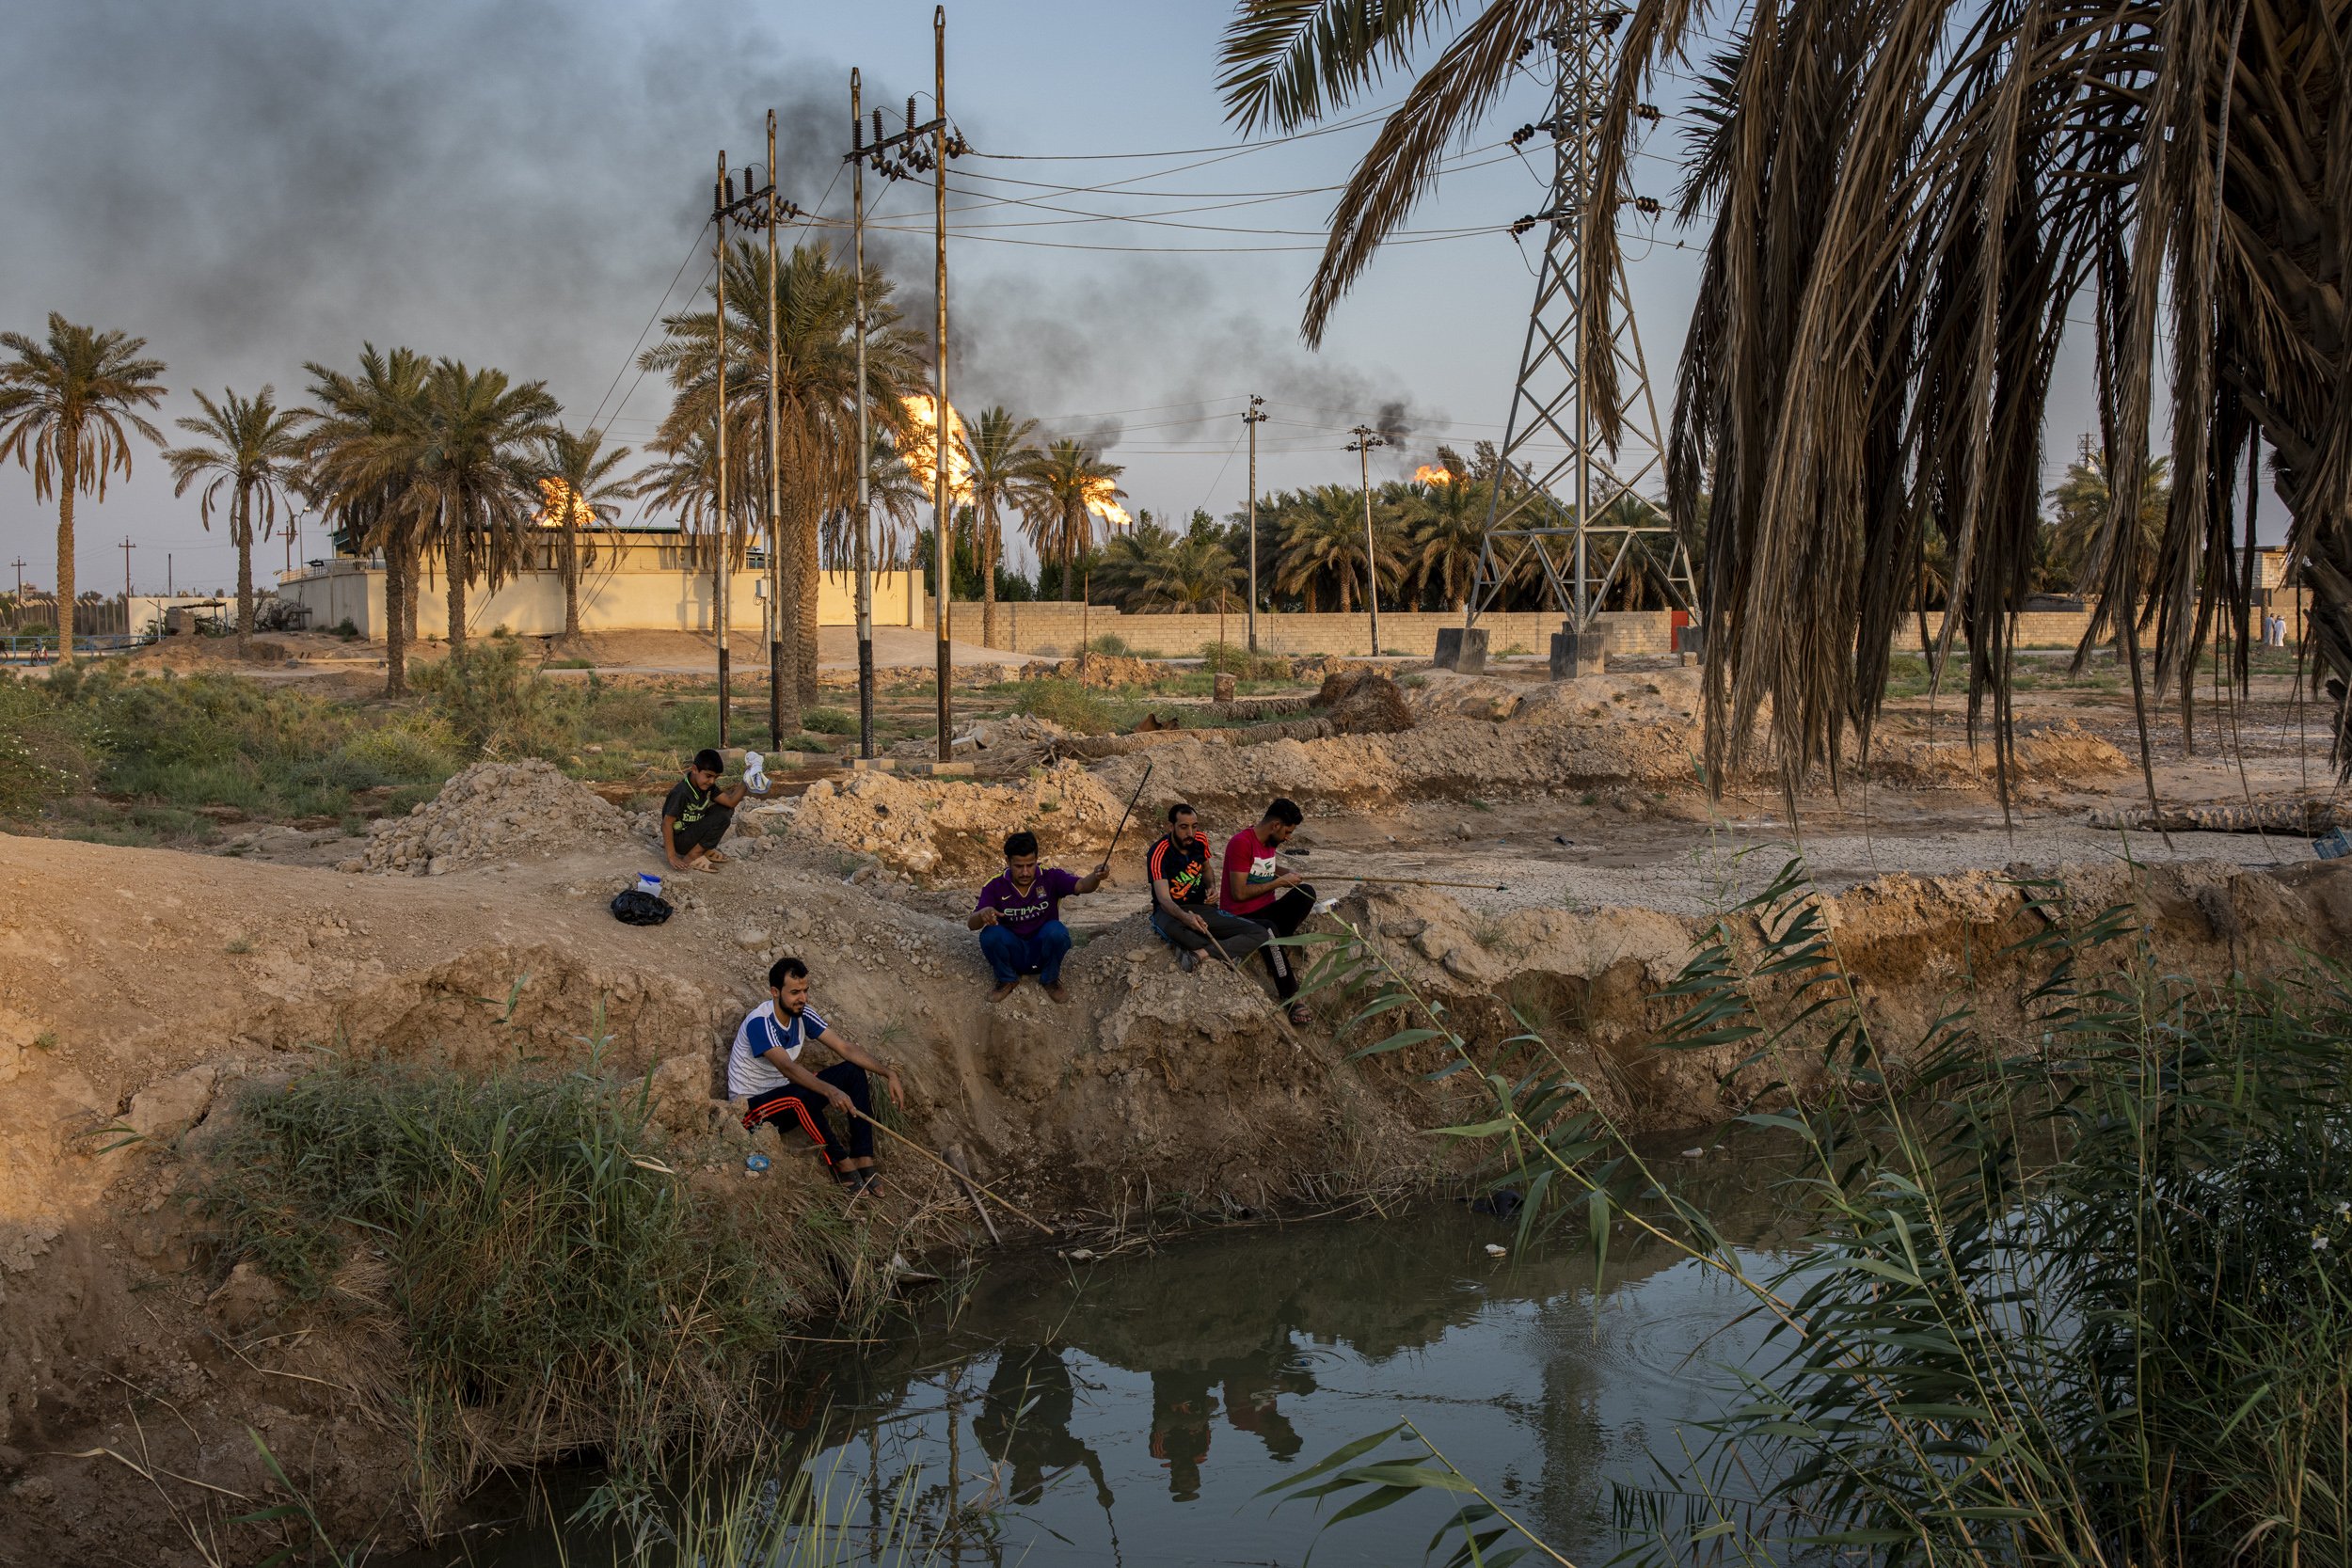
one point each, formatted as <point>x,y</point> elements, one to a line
<point>554,1287</point>
<point>2066,1298</point>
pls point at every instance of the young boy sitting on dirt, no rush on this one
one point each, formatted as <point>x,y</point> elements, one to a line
<point>1178,866</point>
<point>698,813</point>
<point>1019,918</point>
<point>1256,887</point>
<point>764,1067</point>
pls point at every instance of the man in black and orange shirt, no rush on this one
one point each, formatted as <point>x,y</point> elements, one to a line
<point>1178,866</point>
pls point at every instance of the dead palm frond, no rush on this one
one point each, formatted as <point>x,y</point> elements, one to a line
<point>1908,197</point>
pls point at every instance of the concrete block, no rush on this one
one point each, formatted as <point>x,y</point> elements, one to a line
<point>1693,640</point>
<point>1575,654</point>
<point>1462,649</point>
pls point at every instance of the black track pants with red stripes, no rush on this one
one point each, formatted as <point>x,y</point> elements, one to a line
<point>807,1107</point>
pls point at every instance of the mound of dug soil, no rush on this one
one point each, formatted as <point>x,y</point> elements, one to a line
<point>1364,701</point>
<point>2062,754</point>
<point>493,810</point>
<point>950,828</point>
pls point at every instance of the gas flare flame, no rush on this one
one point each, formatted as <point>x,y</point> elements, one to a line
<point>1430,473</point>
<point>1099,494</point>
<point>922,446</point>
<point>559,505</point>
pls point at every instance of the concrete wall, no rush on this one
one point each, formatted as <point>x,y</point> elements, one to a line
<point>531,604</point>
<point>2065,629</point>
<point>1056,627</point>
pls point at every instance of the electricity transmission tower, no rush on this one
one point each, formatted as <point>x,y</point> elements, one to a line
<point>1556,478</point>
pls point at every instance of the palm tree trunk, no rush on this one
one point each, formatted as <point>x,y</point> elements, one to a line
<point>804,582</point>
<point>456,562</point>
<point>242,525</point>
<point>988,545</point>
<point>65,546</point>
<point>412,583</point>
<point>571,582</point>
<point>396,597</point>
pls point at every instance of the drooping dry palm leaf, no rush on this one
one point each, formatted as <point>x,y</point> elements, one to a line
<point>1910,198</point>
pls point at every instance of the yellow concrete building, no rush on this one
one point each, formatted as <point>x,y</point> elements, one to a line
<point>641,579</point>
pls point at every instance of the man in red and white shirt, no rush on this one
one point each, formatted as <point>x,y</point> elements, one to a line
<point>1256,887</point>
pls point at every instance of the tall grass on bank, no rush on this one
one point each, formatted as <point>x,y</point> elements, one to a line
<point>2069,1297</point>
<point>555,1286</point>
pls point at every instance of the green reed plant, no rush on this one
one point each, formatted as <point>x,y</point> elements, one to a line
<point>556,1286</point>
<point>2067,1296</point>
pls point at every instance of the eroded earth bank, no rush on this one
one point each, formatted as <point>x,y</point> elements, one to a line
<point>143,992</point>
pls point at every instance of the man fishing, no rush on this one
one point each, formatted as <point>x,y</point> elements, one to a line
<point>1256,887</point>
<point>764,1067</point>
<point>1019,918</point>
<point>1182,911</point>
<point>697,814</point>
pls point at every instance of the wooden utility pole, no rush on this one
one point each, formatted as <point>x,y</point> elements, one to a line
<point>725,523</point>
<point>1366,440</point>
<point>864,545</point>
<point>943,416</point>
<point>777,673</point>
<point>127,548</point>
<point>1253,419</point>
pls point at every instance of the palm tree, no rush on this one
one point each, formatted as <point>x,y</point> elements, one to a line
<point>815,312</point>
<point>476,488</point>
<point>1907,203</point>
<point>1006,465</point>
<point>63,406</point>
<point>364,442</point>
<point>1322,535</point>
<point>580,495</point>
<point>1056,519</point>
<point>254,453</point>
<point>1448,522</point>
<point>1192,573</point>
<point>2082,503</point>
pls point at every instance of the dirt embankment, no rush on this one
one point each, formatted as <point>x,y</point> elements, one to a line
<point>142,990</point>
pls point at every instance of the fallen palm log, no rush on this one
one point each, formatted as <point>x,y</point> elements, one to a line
<point>2307,818</point>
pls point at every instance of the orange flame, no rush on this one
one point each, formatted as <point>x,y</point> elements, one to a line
<point>1429,473</point>
<point>1099,501</point>
<point>921,449</point>
<point>559,505</point>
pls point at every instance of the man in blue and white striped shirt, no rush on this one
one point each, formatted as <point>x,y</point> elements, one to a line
<point>765,1067</point>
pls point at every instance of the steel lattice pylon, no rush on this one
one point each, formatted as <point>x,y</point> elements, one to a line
<point>1562,487</point>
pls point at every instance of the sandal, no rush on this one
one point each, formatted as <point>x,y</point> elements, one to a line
<point>1299,1016</point>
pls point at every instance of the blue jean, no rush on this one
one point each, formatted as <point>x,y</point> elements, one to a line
<point>1011,956</point>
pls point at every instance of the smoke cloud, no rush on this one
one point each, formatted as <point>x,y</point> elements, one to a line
<point>254,184</point>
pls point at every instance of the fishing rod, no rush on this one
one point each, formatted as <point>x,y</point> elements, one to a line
<point>951,1169</point>
<point>1129,812</point>
<point>1425,881</point>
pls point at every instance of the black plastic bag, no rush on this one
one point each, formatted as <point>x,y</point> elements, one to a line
<point>636,907</point>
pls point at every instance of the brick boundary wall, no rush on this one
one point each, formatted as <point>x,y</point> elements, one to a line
<point>1053,627</point>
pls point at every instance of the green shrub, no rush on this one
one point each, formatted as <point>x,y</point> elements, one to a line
<point>416,748</point>
<point>47,748</point>
<point>829,720</point>
<point>496,703</point>
<point>1231,658</point>
<point>1109,642</point>
<point>1078,708</point>
<point>345,630</point>
<point>553,1286</point>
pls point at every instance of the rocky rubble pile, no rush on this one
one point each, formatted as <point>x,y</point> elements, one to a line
<point>493,810</point>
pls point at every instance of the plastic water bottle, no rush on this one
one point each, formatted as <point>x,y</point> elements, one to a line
<point>648,881</point>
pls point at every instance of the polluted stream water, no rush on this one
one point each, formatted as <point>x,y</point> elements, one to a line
<point>1134,1410</point>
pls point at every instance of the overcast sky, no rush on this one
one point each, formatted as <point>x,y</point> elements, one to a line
<point>250,184</point>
